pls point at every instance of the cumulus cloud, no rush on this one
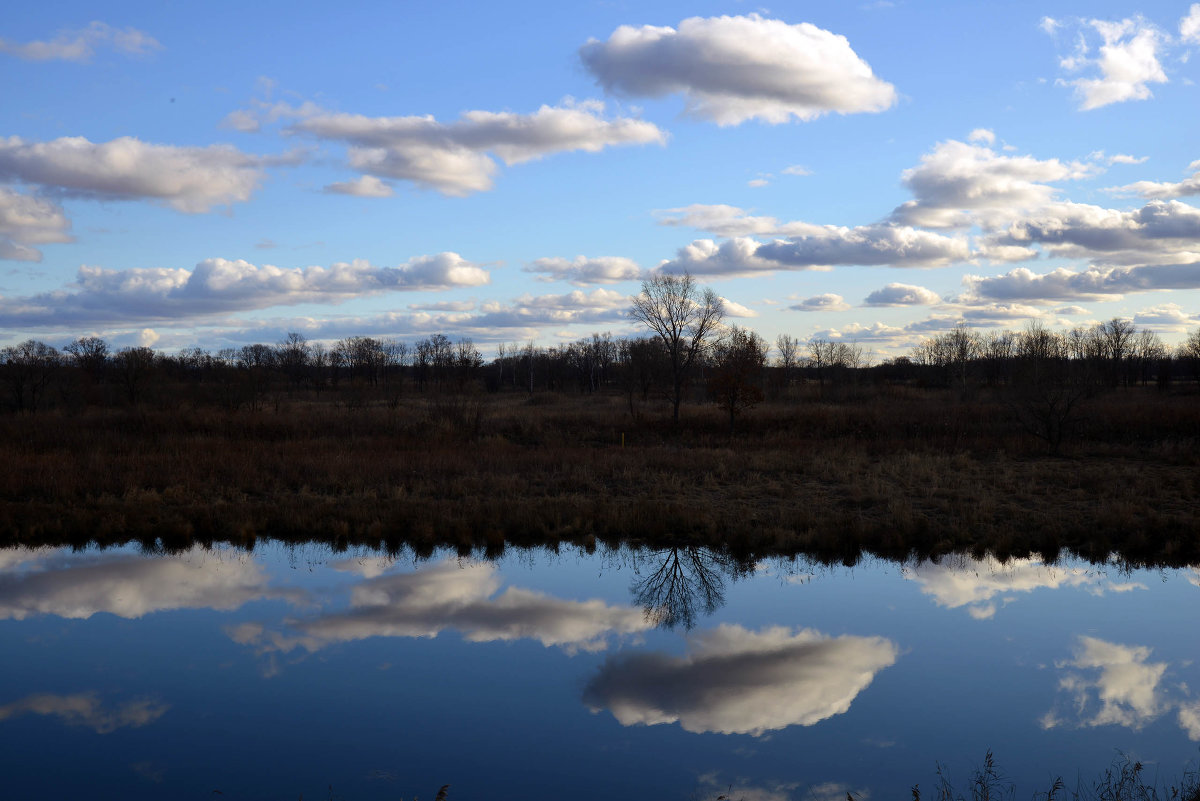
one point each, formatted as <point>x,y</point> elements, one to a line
<point>1165,190</point>
<point>1093,283</point>
<point>1111,684</point>
<point>363,186</point>
<point>444,597</point>
<point>86,709</point>
<point>215,286</point>
<point>732,257</point>
<point>1167,317</point>
<point>729,221</point>
<point>72,586</point>
<point>1189,26</point>
<point>735,309</point>
<point>976,583</point>
<point>826,302</point>
<point>27,220</point>
<point>960,184</point>
<point>80,45</point>
<point>1127,62</point>
<point>737,681</point>
<point>457,158</point>
<point>902,295</point>
<point>733,69</point>
<point>875,245</point>
<point>189,179</point>
<point>584,271</point>
<point>519,319</point>
<point>1160,231</point>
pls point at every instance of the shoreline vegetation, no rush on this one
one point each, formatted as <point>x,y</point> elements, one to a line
<point>1006,443</point>
<point>897,471</point>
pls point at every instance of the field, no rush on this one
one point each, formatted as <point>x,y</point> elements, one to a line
<point>898,471</point>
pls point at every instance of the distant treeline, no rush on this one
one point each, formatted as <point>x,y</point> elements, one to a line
<point>736,369</point>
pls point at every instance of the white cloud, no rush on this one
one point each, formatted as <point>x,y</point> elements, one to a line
<point>827,302</point>
<point>363,186</point>
<point>1123,691</point>
<point>1123,158</point>
<point>737,681</point>
<point>80,45</point>
<point>961,184</point>
<point>189,179</point>
<point>723,220</point>
<point>1162,231</point>
<point>1127,62</point>
<point>584,271</point>
<point>129,586</point>
<point>215,286</point>
<point>1189,26</point>
<point>902,295</point>
<point>757,183</point>
<point>1165,190</point>
<point>27,220</point>
<point>975,583</point>
<point>464,599</point>
<point>982,135</point>
<point>85,709</point>
<point>1094,283</point>
<point>453,158</point>
<point>797,169</point>
<point>729,258</point>
<point>520,319</point>
<point>735,309</point>
<point>1189,714</point>
<point>874,245</point>
<point>732,69</point>
<point>1167,317</point>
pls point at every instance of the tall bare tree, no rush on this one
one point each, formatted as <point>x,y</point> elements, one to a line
<point>684,318</point>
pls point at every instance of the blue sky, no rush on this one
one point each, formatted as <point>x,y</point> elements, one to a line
<point>872,172</point>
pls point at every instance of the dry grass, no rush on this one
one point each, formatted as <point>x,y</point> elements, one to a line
<point>897,472</point>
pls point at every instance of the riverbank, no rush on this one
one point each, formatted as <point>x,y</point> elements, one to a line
<point>896,474</point>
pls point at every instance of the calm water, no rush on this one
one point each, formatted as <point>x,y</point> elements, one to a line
<point>543,676</point>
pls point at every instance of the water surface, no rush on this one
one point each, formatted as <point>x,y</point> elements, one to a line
<point>651,674</point>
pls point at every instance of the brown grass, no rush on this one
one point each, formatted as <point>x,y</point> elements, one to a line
<point>896,471</point>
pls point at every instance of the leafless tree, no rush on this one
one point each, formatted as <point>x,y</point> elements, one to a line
<point>674,584</point>
<point>735,375</point>
<point>27,369</point>
<point>684,318</point>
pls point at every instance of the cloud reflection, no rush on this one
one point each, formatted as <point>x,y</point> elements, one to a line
<point>1112,684</point>
<point>737,681</point>
<point>447,596</point>
<point>124,584</point>
<point>85,709</point>
<point>974,583</point>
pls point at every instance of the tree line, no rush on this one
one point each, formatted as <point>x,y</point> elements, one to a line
<point>687,354</point>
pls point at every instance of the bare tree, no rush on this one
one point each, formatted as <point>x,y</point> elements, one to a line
<point>735,378</point>
<point>684,318</point>
<point>27,369</point>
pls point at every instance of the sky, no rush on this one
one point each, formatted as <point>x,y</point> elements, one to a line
<point>180,175</point>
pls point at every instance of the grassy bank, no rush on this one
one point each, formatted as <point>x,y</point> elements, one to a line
<point>893,471</point>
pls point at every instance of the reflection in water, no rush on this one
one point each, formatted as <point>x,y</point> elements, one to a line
<point>70,585</point>
<point>737,681</point>
<point>975,583</point>
<point>85,709</point>
<point>448,596</point>
<point>1112,684</point>
<point>679,582</point>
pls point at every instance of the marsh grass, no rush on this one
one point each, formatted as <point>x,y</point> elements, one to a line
<point>895,471</point>
<point>1124,779</point>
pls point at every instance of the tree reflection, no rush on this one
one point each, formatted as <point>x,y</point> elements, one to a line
<point>675,584</point>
